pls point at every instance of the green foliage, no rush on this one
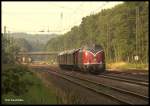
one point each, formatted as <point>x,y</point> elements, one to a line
<point>19,82</point>
<point>115,29</point>
<point>69,97</point>
<point>15,79</point>
<point>23,44</point>
<point>9,49</point>
<point>11,46</point>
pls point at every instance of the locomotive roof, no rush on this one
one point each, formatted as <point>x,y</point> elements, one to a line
<point>68,51</point>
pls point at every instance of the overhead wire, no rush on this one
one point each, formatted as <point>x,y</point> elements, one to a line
<point>75,11</point>
<point>92,12</point>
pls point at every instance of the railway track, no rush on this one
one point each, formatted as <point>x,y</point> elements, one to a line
<point>129,80</point>
<point>130,76</point>
<point>119,95</point>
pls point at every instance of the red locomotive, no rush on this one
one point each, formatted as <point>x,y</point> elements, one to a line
<point>91,59</point>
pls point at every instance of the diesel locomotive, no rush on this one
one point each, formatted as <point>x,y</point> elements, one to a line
<point>89,59</point>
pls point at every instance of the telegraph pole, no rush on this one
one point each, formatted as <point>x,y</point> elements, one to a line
<point>137,34</point>
<point>4,30</point>
<point>136,31</point>
<point>61,17</point>
<point>5,35</point>
<point>108,41</point>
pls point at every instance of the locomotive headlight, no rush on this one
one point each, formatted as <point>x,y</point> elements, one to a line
<point>86,53</point>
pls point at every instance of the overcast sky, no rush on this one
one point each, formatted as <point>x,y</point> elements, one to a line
<point>57,17</point>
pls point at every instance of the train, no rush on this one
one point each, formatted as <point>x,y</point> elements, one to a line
<point>88,59</point>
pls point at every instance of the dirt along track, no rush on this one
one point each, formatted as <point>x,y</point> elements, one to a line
<point>86,96</point>
<point>135,96</point>
<point>130,74</point>
<point>125,78</point>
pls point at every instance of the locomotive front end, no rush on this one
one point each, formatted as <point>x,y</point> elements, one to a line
<point>94,60</point>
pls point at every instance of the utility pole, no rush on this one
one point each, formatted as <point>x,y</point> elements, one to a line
<point>107,41</point>
<point>137,34</point>
<point>5,35</point>
<point>4,30</point>
<point>61,17</point>
<point>137,30</point>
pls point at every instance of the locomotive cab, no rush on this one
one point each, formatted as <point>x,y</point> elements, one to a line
<point>93,59</point>
<point>89,59</point>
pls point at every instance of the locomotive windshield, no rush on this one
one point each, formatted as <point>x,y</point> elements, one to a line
<point>95,48</point>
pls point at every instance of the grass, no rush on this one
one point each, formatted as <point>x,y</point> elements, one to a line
<point>38,93</point>
<point>68,95</point>
<point>125,65</point>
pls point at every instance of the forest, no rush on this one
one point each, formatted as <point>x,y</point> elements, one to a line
<point>122,31</point>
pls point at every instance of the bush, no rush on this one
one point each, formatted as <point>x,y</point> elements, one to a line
<point>15,79</point>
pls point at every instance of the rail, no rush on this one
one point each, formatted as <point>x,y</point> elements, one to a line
<point>106,89</point>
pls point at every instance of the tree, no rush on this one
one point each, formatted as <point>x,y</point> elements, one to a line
<point>114,29</point>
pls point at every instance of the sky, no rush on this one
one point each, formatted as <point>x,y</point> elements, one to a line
<point>48,17</point>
